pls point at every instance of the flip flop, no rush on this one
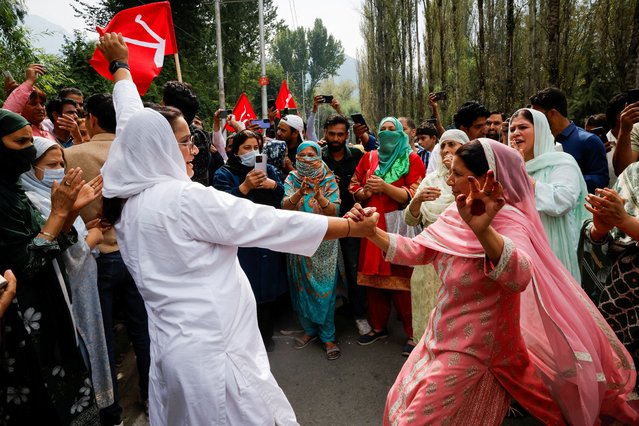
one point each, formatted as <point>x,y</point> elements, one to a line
<point>300,343</point>
<point>333,353</point>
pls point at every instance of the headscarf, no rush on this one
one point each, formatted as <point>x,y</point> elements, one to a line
<point>430,210</point>
<point>326,178</point>
<point>394,150</point>
<point>310,167</point>
<point>11,122</point>
<point>82,270</point>
<point>575,352</point>
<point>13,162</point>
<point>143,155</point>
<point>562,231</point>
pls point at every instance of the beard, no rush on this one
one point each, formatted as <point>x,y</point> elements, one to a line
<point>335,146</point>
<point>493,136</point>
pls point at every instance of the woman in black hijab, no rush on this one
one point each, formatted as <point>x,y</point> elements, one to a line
<point>43,378</point>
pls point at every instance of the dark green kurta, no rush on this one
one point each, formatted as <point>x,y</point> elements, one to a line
<point>43,379</point>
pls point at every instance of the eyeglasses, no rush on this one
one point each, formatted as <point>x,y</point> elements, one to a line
<point>190,144</point>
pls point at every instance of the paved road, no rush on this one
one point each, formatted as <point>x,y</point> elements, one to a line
<point>349,391</point>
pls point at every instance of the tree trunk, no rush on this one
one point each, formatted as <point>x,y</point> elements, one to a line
<point>632,74</point>
<point>510,67</point>
<point>553,41</point>
<point>482,52</point>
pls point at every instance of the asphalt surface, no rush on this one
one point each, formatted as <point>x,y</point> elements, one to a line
<point>348,391</point>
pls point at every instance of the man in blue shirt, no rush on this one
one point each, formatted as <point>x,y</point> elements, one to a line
<point>585,147</point>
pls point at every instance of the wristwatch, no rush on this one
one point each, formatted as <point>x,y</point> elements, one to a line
<point>116,65</point>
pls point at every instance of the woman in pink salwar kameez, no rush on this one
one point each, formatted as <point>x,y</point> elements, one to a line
<point>510,321</point>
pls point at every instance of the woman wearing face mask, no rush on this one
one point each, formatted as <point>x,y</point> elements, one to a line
<point>560,189</point>
<point>265,269</point>
<point>44,379</point>
<point>79,263</point>
<point>312,188</point>
<point>386,179</point>
<point>432,197</point>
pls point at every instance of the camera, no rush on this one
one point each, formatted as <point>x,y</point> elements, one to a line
<point>327,99</point>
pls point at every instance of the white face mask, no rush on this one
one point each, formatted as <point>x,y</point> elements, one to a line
<point>50,175</point>
<point>248,159</point>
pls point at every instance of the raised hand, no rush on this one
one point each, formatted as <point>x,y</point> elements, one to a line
<point>88,192</point>
<point>482,204</point>
<point>607,208</point>
<point>113,47</point>
<point>65,193</point>
<point>33,72</point>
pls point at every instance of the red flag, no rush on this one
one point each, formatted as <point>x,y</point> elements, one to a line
<point>284,99</point>
<point>243,111</point>
<point>149,34</point>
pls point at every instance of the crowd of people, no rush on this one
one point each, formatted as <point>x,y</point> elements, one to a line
<point>507,245</point>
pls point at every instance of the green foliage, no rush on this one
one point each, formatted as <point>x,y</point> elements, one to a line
<point>16,51</point>
<point>308,57</point>
<point>592,54</point>
<point>77,51</point>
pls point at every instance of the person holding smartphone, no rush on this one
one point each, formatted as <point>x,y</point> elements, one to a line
<point>265,269</point>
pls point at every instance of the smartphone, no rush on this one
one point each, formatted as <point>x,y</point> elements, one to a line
<point>260,162</point>
<point>288,111</point>
<point>441,96</point>
<point>3,283</point>
<point>7,75</point>
<point>432,121</point>
<point>327,99</point>
<point>225,113</point>
<point>264,124</point>
<point>633,96</point>
<point>271,104</point>
<point>358,118</point>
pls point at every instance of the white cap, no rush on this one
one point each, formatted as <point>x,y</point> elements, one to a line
<point>295,122</point>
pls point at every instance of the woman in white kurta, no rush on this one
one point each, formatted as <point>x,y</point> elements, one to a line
<point>179,240</point>
<point>560,189</point>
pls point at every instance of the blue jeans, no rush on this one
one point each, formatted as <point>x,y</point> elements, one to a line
<point>115,281</point>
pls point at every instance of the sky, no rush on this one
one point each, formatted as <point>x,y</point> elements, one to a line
<point>340,17</point>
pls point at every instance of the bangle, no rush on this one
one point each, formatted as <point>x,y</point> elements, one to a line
<point>348,234</point>
<point>47,234</point>
<point>327,204</point>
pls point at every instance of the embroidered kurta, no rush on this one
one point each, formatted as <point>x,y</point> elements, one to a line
<point>472,355</point>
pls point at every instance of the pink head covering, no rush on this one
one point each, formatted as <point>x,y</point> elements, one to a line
<point>585,366</point>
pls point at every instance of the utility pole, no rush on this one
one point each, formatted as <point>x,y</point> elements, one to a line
<point>263,57</point>
<point>220,60</point>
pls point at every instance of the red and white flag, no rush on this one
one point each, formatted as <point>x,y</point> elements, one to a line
<point>243,111</point>
<point>284,99</point>
<point>149,34</point>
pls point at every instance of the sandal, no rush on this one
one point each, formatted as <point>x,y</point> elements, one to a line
<point>332,352</point>
<point>408,347</point>
<point>302,341</point>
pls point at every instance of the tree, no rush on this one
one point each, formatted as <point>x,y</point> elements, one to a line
<point>16,52</point>
<point>312,54</point>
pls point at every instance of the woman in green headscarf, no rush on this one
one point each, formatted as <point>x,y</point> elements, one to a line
<point>43,379</point>
<point>386,179</point>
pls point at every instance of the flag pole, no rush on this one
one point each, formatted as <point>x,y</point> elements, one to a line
<point>263,58</point>
<point>178,70</point>
<point>220,63</point>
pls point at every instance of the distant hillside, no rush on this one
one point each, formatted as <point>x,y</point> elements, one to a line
<point>45,34</point>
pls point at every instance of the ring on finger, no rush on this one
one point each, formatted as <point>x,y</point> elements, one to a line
<point>67,183</point>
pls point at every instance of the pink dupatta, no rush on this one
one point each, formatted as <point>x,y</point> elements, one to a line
<point>586,368</point>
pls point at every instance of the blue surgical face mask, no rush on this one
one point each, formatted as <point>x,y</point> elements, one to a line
<point>50,175</point>
<point>248,159</point>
